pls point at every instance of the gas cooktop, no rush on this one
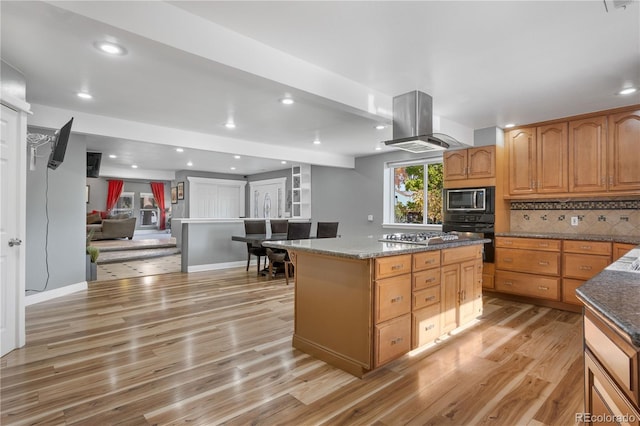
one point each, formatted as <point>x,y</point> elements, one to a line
<point>423,238</point>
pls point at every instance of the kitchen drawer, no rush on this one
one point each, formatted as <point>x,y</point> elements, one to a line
<point>392,297</point>
<point>425,325</point>
<point>425,279</point>
<point>426,297</point>
<point>569,291</point>
<point>587,247</point>
<point>528,285</point>
<point>617,356</point>
<point>392,266</point>
<point>528,243</point>
<point>584,266</point>
<point>533,261</point>
<point>426,260</point>
<point>392,339</point>
<point>459,254</point>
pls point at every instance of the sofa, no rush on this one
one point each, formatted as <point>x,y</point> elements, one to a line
<point>110,228</point>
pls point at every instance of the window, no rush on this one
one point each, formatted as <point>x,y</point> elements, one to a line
<point>124,205</point>
<point>149,212</point>
<point>413,193</point>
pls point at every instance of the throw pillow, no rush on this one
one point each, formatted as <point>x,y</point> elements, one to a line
<point>93,218</point>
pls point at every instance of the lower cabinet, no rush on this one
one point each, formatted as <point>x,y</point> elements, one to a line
<point>612,374</point>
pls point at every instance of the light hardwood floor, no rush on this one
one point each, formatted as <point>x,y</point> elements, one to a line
<point>215,348</point>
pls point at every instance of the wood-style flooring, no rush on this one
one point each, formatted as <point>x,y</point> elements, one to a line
<point>215,348</point>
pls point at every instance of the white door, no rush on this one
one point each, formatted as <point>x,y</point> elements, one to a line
<point>9,255</point>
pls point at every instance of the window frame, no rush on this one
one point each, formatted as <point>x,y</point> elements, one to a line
<point>389,195</point>
<point>116,210</point>
<point>142,210</point>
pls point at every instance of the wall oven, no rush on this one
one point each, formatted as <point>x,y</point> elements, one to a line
<point>471,212</point>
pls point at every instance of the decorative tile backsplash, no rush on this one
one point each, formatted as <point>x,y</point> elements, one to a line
<point>594,217</point>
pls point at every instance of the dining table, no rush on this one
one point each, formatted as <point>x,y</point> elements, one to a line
<point>256,240</point>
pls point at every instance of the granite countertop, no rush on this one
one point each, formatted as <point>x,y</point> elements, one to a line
<point>629,239</point>
<point>615,293</point>
<point>365,247</point>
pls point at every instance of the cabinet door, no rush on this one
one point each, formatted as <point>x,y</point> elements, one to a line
<point>481,162</point>
<point>620,249</point>
<point>623,154</point>
<point>455,165</point>
<point>521,160</point>
<point>552,147</point>
<point>449,297</point>
<point>466,299</point>
<point>587,155</point>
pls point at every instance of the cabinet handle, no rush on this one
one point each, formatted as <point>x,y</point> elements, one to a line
<point>396,340</point>
<point>541,287</point>
<point>429,327</point>
<point>397,299</point>
<point>429,261</point>
<point>543,263</point>
<point>585,247</point>
<point>585,268</point>
<point>508,283</point>
<point>426,299</point>
<point>508,260</point>
<point>429,280</point>
<point>602,181</point>
<point>396,267</point>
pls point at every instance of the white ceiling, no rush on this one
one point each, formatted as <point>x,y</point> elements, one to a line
<point>191,65</point>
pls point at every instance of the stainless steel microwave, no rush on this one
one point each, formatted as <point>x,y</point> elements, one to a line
<point>471,200</point>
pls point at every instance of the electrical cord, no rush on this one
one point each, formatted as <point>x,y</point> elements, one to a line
<point>46,234</point>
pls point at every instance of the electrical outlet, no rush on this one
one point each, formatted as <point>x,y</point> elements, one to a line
<point>370,218</point>
<point>574,220</point>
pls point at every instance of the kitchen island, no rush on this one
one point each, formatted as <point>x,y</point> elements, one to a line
<point>361,303</point>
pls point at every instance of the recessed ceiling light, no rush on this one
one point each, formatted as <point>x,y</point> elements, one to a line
<point>233,168</point>
<point>287,101</point>
<point>283,162</point>
<point>510,125</point>
<point>134,166</point>
<point>84,95</point>
<point>189,164</point>
<point>110,48</point>
<point>378,148</point>
<point>316,142</point>
<point>180,149</point>
<point>230,125</point>
<point>381,127</point>
<point>237,157</point>
<point>113,156</point>
<point>628,91</point>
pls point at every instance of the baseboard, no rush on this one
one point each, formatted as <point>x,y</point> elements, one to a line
<point>55,293</point>
<point>216,266</point>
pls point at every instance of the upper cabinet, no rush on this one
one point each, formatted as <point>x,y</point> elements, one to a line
<point>475,164</point>
<point>537,158</point>
<point>596,155</point>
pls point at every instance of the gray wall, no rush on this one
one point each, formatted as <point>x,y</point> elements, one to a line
<point>63,247</point>
<point>12,82</point>
<point>350,195</point>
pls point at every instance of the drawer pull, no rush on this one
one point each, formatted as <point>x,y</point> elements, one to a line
<point>508,260</point>
<point>426,299</point>
<point>541,287</point>
<point>397,299</point>
<point>396,340</point>
<point>585,268</point>
<point>543,263</point>
<point>429,280</point>
<point>507,242</point>
<point>396,267</point>
<point>429,327</point>
<point>585,247</point>
<point>429,261</point>
<point>508,283</point>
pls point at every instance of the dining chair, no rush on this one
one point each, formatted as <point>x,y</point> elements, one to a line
<point>255,227</point>
<point>279,226</point>
<point>327,230</point>
<point>277,259</point>
<point>298,230</point>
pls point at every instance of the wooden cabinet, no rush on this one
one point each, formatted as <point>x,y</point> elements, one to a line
<point>581,261</point>
<point>537,160</point>
<point>425,309</point>
<point>612,371</point>
<point>620,249</point>
<point>528,267</point>
<point>623,151</point>
<point>471,163</point>
<point>461,286</point>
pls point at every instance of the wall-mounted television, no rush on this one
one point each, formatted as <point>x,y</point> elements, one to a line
<point>93,164</point>
<point>59,147</point>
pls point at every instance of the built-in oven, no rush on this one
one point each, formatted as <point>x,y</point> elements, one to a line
<point>471,212</point>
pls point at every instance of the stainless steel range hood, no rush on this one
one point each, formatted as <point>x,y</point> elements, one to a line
<point>413,125</point>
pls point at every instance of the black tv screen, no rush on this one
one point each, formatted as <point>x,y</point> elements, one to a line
<point>60,146</point>
<point>93,164</point>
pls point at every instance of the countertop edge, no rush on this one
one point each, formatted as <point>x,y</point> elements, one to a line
<point>625,239</point>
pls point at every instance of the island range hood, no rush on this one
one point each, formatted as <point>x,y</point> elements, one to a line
<point>413,125</point>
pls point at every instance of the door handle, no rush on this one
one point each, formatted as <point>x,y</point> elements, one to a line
<point>15,242</point>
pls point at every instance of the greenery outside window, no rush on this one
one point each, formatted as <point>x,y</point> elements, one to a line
<point>414,193</point>
<point>124,205</point>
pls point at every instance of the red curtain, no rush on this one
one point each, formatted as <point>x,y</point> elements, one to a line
<point>113,193</point>
<point>158,193</point>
